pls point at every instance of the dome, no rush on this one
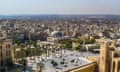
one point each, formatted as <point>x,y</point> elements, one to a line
<point>56,34</point>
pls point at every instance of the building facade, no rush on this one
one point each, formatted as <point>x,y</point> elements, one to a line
<point>108,60</point>
<point>5,48</point>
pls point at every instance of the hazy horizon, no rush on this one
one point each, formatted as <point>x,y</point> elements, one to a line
<point>59,7</point>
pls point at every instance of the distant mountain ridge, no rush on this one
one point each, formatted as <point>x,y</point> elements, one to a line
<point>55,16</point>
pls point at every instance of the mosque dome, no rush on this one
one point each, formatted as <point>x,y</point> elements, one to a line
<point>56,34</point>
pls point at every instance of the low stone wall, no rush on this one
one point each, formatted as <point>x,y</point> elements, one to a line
<point>85,68</point>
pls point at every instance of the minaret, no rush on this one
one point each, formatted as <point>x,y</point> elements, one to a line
<point>67,29</point>
<point>104,58</point>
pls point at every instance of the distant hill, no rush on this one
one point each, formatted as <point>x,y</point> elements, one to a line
<point>55,16</point>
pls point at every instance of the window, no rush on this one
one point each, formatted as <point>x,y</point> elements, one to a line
<point>0,47</point>
<point>8,46</point>
<point>1,55</point>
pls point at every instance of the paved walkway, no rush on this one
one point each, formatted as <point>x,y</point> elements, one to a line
<point>79,57</point>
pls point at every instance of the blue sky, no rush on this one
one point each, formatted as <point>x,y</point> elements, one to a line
<point>8,7</point>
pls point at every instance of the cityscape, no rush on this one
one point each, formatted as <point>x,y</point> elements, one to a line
<point>60,36</point>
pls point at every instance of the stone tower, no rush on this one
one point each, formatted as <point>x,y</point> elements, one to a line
<point>5,48</point>
<point>104,58</point>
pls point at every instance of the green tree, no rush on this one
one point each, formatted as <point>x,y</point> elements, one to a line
<point>89,41</point>
<point>78,48</point>
<point>23,62</point>
<point>31,42</point>
<point>68,44</point>
<point>54,63</point>
<point>41,66</point>
<point>62,62</point>
<point>72,61</point>
<point>79,41</point>
<point>23,53</point>
<point>17,41</point>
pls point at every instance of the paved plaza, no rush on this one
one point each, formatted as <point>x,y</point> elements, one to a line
<point>71,59</point>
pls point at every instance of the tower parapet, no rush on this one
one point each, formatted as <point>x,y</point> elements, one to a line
<point>104,58</point>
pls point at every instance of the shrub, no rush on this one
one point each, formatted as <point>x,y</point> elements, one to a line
<point>54,63</point>
<point>62,62</point>
<point>78,48</point>
<point>72,61</point>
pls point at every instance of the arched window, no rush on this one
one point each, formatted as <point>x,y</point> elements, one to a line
<point>8,46</point>
<point>0,47</point>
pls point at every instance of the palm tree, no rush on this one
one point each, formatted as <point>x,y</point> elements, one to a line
<point>24,63</point>
<point>57,49</point>
<point>40,66</point>
<point>40,52</point>
<point>48,48</point>
<point>22,53</point>
<point>19,70</point>
<point>46,51</point>
<point>61,48</point>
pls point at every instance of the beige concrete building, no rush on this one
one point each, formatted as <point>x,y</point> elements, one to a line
<point>115,62</point>
<point>108,61</point>
<point>104,58</point>
<point>5,48</point>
